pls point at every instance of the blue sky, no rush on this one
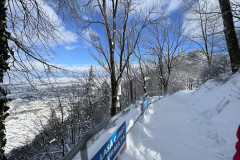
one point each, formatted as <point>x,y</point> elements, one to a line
<point>76,52</point>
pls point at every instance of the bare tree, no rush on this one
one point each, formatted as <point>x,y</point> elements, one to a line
<point>130,80</point>
<point>32,31</point>
<point>143,68</point>
<point>204,21</point>
<point>235,9</point>
<point>230,35</point>
<point>163,46</point>
<point>121,21</point>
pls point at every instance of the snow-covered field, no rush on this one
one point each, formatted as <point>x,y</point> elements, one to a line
<point>25,121</point>
<point>30,110</point>
<point>189,125</point>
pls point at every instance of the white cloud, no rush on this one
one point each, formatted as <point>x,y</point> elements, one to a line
<point>193,25</point>
<point>64,34</point>
<point>174,5</point>
<point>80,68</point>
<point>192,21</point>
<point>143,7</point>
<point>68,47</point>
<point>168,5</point>
<point>15,8</point>
<point>90,35</point>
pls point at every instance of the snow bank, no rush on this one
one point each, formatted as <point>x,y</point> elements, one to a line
<point>101,138</point>
<point>189,125</point>
<point>130,118</point>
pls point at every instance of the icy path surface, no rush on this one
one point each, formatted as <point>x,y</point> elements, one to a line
<point>189,125</point>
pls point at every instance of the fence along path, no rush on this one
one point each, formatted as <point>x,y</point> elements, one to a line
<point>81,146</point>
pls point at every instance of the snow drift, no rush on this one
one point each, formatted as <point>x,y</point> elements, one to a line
<point>189,125</point>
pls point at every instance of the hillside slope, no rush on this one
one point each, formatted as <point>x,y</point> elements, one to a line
<point>189,125</point>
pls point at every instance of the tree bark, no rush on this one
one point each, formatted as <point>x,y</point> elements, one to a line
<point>111,42</point>
<point>4,55</point>
<point>165,87</point>
<point>114,96</point>
<point>230,35</point>
<point>144,86</point>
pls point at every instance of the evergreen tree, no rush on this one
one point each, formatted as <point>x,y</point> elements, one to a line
<point>90,95</point>
<point>4,55</point>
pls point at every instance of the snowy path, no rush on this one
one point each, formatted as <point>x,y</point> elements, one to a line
<point>172,129</point>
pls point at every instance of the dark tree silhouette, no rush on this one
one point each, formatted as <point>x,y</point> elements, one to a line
<point>230,35</point>
<point>5,51</point>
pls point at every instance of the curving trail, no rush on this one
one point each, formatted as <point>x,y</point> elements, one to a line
<point>189,125</point>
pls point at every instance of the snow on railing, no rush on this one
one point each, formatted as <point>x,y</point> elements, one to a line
<point>81,146</point>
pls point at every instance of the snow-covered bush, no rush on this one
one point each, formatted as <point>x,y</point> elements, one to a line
<point>220,66</point>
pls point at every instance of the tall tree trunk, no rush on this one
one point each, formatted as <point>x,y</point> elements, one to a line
<point>111,42</point>
<point>114,96</point>
<point>165,87</point>
<point>131,90</point>
<point>4,55</point>
<point>114,83</point>
<point>143,77</point>
<point>130,82</point>
<point>144,86</point>
<point>230,35</point>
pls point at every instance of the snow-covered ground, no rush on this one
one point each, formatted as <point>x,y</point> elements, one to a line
<point>189,125</point>
<point>30,110</point>
<point>25,121</point>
